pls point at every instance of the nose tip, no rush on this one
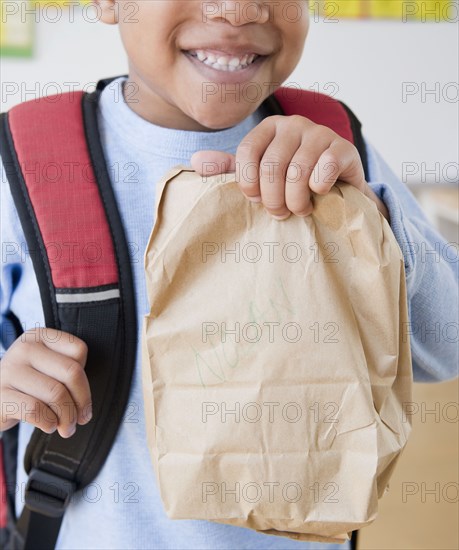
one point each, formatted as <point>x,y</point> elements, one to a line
<point>237,12</point>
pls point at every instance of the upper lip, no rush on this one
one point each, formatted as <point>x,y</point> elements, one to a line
<point>230,49</point>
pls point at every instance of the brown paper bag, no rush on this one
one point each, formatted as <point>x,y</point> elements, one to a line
<point>275,363</point>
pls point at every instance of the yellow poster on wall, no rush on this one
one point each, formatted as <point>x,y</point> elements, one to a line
<point>18,19</point>
<point>402,10</point>
<point>16,28</point>
<point>62,3</point>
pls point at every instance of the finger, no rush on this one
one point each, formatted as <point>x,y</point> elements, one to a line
<point>21,406</point>
<point>249,154</point>
<point>61,368</point>
<point>339,161</point>
<point>211,163</point>
<point>298,196</point>
<point>50,391</point>
<point>273,169</point>
<point>58,341</point>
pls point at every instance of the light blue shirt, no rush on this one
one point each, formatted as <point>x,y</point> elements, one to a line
<point>122,508</point>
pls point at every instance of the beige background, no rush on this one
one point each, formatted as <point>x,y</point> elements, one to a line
<point>431,457</point>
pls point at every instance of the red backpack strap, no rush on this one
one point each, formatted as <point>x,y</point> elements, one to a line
<point>55,167</point>
<point>321,109</point>
<point>64,204</point>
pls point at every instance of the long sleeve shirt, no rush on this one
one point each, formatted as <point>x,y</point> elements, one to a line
<point>122,507</point>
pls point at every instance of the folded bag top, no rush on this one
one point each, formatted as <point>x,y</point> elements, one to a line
<point>275,359</point>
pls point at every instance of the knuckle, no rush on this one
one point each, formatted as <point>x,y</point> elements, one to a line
<point>247,147</point>
<point>26,347</point>
<point>271,168</point>
<point>272,160</point>
<point>331,158</point>
<point>274,206</point>
<point>21,351</point>
<point>322,130</point>
<point>329,170</point>
<point>298,119</point>
<point>356,160</point>
<point>352,148</point>
<point>272,119</point>
<point>80,351</point>
<point>48,418</point>
<point>73,371</point>
<point>298,171</point>
<point>57,392</point>
<point>48,334</point>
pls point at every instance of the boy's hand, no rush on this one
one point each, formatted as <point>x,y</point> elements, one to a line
<point>285,158</point>
<point>42,381</point>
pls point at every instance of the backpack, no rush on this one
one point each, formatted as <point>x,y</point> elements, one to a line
<point>92,300</point>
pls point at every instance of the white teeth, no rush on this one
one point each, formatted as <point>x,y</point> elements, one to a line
<point>223,62</point>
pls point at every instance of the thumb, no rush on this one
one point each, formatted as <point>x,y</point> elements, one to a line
<point>211,163</point>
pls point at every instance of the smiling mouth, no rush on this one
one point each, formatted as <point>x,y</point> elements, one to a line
<point>225,63</point>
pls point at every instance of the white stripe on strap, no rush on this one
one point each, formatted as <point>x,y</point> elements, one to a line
<point>77,297</point>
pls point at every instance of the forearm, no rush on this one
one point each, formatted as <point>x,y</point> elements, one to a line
<point>431,269</point>
<point>433,306</point>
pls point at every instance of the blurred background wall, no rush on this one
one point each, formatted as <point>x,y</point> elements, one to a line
<point>400,78</point>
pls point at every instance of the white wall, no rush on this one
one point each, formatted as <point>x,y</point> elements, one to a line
<point>366,62</point>
<point>369,62</point>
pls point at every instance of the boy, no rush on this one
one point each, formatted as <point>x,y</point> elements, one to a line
<point>174,48</point>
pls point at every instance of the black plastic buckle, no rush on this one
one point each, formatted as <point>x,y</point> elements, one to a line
<point>47,493</point>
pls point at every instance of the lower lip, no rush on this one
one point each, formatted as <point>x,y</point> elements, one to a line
<point>234,77</point>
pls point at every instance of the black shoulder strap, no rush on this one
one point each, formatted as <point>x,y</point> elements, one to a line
<point>102,315</point>
<point>359,142</point>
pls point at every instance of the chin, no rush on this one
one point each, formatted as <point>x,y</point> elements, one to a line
<point>223,117</point>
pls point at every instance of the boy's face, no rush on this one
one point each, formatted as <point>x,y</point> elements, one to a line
<point>199,65</point>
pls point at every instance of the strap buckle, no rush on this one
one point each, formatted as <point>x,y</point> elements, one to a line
<point>47,493</point>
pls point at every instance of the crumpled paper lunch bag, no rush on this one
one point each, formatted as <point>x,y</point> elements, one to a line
<point>275,359</point>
